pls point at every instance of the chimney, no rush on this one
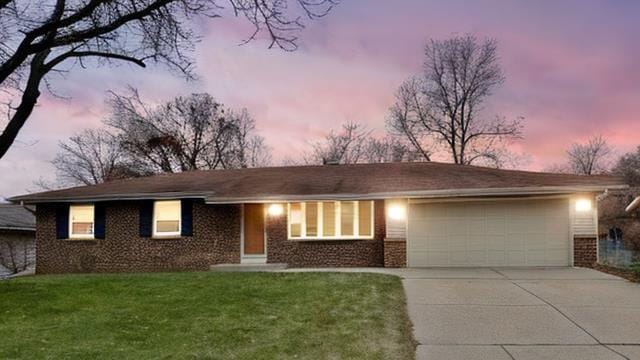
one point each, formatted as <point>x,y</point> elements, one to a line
<point>330,161</point>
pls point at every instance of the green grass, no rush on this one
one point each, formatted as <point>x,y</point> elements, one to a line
<point>635,269</point>
<point>205,315</point>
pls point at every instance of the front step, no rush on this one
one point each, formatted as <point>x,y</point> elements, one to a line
<point>248,267</point>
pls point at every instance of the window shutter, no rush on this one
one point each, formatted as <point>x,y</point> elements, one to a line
<point>62,221</point>
<point>146,218</point>
<point>99,221</point>
<point>186,207</point>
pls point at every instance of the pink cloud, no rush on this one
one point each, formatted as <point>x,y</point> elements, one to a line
<point>570,66</point>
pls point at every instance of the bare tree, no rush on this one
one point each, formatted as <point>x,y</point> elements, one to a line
<point>92,157</point>
<point>389,149</point>
<point>247,148</point>
<point>16,254</point>
<point>42,38</point>
<point>589,158</point>
<point>187,133</point>
<point>628,166</point>
<point>344,147</point>
<point>592,157</point>
<point>442,109</point>
<point>355,143</point>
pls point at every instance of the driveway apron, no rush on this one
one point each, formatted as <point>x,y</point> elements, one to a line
<point>516,313</point>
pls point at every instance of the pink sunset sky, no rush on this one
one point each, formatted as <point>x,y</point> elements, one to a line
<point>571,68</point>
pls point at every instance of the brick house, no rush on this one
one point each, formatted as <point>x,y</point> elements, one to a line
<point>390,214</point>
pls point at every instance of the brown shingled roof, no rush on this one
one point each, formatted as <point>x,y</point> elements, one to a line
<point>383,180</point>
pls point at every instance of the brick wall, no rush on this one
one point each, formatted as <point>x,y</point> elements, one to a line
<point>215,240</point>
<point>325,253</point>
<point>585,251</point>
<point>395,253</point>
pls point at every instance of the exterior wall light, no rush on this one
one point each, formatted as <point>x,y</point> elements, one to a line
<point>397,212</point>
<point>583,205</point>
<point>275,210</point>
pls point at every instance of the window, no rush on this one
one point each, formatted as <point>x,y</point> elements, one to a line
<point>166,218</point>
<point>81,221</point>
<point>331,220</point>
<point>295,219</point>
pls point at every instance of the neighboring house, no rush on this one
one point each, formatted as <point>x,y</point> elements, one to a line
<point>17,239</point>
<point>389,214</point>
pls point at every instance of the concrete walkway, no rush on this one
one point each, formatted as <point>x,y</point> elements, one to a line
<point>554,313</point>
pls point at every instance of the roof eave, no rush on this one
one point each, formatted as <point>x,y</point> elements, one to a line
<point>110,197</point>
<point>211,198</point>
<point>484,192</point>
<point>12,228</point>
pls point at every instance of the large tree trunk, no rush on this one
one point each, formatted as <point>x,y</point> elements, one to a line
<point>27,103</point>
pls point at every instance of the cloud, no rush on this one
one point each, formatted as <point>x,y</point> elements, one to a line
<point>571,71</point>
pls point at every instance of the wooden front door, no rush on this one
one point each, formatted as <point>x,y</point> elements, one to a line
<point>253,229</point>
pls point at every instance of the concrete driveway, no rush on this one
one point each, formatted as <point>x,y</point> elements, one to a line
<point>554,313</point>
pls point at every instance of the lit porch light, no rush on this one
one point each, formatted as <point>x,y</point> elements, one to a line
<point>275,210</point>
<point>397,212</point>
<point>583,205</point>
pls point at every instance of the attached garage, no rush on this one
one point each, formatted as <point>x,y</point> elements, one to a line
<point>514,232</point>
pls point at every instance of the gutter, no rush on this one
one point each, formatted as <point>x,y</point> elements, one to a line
<point>429,194</point>
<point>211,198</point>
<point>635,204</point>
<point>5,228</point>
<point>112,197</point>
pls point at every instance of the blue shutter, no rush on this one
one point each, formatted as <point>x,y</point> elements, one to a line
<point>99,221</point>
<point>62,221</point>
<point>186,207</point>
<point>146,218</point>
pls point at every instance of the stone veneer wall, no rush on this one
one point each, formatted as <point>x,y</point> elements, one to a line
<point>395,253</point>
<point>325,253</point>
<point>585,251</point>
<point>215,240</point>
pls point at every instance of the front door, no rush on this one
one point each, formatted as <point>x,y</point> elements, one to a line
<point>253,229</point>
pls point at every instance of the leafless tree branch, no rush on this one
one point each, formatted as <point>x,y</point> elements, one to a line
<point>37,36</point>
<point>442,109</point>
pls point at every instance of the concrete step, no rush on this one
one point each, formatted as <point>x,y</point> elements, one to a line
<point>248,267</point>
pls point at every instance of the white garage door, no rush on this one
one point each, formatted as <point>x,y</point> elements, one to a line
<point>489,233</point>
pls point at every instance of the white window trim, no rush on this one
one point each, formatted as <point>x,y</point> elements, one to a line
<point>171,234</point>
<point>93,227</point>
<point>338,221</point>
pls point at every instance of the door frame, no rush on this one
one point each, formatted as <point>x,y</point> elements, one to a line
<point>252,258</point>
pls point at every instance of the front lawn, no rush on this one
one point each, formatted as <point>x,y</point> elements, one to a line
<point>205,315</point>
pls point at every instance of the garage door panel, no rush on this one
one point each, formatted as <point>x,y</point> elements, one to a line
<point>496,242</point>
<point>535,242</point>
<point>495,226</point>
<point>497,258</point>
<point>476,258</point>
<point>516,258</point>
<point>477,242</point>
<point>535,257</point>
<point>491,233</point>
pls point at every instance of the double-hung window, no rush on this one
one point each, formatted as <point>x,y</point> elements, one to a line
<point>81,222</point>
<point>330,220</point>
<point>166,218</point>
